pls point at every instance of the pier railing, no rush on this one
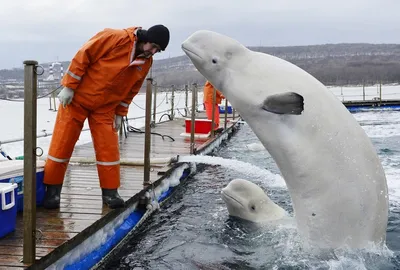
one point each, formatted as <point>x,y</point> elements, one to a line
<point>186,111</point>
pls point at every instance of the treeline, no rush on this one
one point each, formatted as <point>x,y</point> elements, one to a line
<point>355,70</point>
<point>332,64</point>
<point>12,74</point>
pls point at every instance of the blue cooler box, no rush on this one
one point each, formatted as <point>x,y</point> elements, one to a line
<point>222,109</point>
<point>12,171</point>
<point>8,208</point>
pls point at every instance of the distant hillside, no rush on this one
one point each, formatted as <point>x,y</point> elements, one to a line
<point>333,64</point>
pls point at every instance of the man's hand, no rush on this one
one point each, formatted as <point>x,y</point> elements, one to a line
<point>117,122</point>
<point>65,96</point>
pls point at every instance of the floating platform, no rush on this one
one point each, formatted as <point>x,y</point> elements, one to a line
<point>83,231</point>
<point>357,105</point>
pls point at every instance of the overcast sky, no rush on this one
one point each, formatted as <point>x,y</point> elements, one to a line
<point>47,30</point>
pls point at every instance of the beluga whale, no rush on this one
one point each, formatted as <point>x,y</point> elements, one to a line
<point>246,200</point>
<point>333,174</point>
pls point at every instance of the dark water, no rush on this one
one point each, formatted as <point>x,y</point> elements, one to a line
<point>193,229</point>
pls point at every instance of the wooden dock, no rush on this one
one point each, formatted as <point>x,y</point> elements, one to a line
<point>81,204</point>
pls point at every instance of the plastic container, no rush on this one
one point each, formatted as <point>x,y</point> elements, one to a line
<point>201,126</point>
<point>12,171</point>
<point>222,109</point>
<point>8,208</point>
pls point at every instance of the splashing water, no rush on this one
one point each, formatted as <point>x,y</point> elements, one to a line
<point>240,166</point>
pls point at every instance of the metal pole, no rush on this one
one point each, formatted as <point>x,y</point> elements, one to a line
<point>186,100</point>
<point>172,101</point>
<point>155,103</point>
<point>213,112</point>
<point>147,138</point>
<point>226,113</point>
<point>30,114</point>
<point>120,131</point>
<point>50,103</point>
<point>54,101</point>
<point>380,92</point>
<point>364,91</point>
<point>197,100</point>
<point>192,126</point>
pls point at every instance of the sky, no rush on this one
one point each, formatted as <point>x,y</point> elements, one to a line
<point>53,30</point>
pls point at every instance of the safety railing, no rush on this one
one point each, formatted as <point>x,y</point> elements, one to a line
<point>377,92</point>
<point>170,113</point>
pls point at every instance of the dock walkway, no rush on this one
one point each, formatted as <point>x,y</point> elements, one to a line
<point>81,204</point>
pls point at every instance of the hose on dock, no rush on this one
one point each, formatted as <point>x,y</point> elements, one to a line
<point>137,130</point>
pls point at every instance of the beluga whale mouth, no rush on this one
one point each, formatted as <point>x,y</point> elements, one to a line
<point>227,197</point>
<point>191,52</point>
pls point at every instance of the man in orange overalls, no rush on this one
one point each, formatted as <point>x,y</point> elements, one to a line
<point>101,81</point>
<point>208,93</point>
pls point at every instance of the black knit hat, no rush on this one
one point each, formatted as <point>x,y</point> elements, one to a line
<point>158,34</point>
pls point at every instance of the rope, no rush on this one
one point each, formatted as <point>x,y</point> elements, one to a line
<point>181,113</point>
<point>162,101</point>
<point>39,97</point>
<point>165,96</point>
<point>137,130</point>
<point>139,106</point>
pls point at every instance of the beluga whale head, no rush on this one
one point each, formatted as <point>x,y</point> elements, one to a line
<point>248,201</point>
<point>215,55</point>
<point>225,62</point>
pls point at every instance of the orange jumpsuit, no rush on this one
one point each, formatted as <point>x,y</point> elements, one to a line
<point>208,102</point>
<point>105,75</point>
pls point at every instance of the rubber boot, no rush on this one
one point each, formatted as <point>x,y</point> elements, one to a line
<point>52,196</point>
<point>218,130</point>
<point>111,198</point>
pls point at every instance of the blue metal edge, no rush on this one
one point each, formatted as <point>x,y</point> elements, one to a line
<point>129,223</point>
<point>355,108</point>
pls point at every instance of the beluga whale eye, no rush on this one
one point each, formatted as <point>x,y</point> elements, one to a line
<point>214,60</point>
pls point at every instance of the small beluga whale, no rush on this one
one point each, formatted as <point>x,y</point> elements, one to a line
<point>333,174</point>
<point>247,201</point>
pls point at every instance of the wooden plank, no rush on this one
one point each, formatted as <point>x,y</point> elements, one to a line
<point>18,251</point>
<point>47,243</point>
<point>42,223</point>
<point>71,197</point>
<point>12,260</point>
<point>64,215</point>
<point>49,235</point>
<point>76,227</point>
